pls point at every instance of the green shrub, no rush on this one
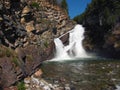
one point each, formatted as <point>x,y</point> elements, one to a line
<point>35,4</point>
<point>8,52</point>
<point>21,86</point>
<point>29,57</point>
<point>15,61</point>
<point>2,53</point>
<point>46,44</point>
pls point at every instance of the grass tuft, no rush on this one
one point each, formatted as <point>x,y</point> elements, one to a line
<point>21,86</point>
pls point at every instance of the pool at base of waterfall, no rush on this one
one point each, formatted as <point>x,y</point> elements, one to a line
<point>83,74</point>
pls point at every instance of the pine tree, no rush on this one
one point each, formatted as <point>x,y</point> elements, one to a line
<point>64,5</point>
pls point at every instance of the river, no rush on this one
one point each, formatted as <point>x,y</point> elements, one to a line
<point>84,74</point>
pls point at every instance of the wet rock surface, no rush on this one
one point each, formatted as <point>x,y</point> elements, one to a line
<point>36,82</point>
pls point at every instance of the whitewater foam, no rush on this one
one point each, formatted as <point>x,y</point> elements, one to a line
<point>74,49</point>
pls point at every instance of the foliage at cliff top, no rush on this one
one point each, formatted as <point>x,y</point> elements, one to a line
<point>105,12</point>
<point>64,5</point>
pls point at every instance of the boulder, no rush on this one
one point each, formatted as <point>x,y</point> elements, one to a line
<point>65,39</point>
<point>27,80</point>
<point>7,72</point>
<point>30,27</point>
<point>26,10</point>
<point>22,20</point>
<point>20,52</point>
<point>38,73</point>
<point>1,18</point>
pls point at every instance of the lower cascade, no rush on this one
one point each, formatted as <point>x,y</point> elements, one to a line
<point>74,49</point>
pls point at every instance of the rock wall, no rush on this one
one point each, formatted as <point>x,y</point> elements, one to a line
<point>28,27</point>
<point>112,42</point>
<point>100,22</point>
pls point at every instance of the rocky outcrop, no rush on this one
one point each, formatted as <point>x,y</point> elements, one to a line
<point>37,83</point>
<point>106,46</point>
<point>31,19</point>
<point>7,72</point>
<point>112,42</point>
<point>28,27</point>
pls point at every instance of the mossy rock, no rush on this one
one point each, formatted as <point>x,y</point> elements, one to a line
<point>4,51</point>
<point>35,5</point>
<point>15,61</point>
<point>29,57</point>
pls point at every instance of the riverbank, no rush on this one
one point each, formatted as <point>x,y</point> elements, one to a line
<point>36,82</point>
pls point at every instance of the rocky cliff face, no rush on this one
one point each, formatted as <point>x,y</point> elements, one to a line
<point>100,20</point>
<point>27,28</point>
<point>112,42</point>
<point>103,44</point>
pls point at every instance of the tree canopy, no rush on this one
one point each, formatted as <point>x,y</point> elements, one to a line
<point>64,5</point>
<point>105,12</point>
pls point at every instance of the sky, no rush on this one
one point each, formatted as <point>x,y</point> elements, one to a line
<point>76,7</point>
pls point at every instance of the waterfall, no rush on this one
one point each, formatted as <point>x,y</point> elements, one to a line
<point>61,51</point>
<point>74,49</point>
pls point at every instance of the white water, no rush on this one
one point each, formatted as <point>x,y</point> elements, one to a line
<point>74,49</point>
<point>118,88</point>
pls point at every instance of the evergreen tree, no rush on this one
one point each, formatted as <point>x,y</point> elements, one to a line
<point>105,11</point>
<point>64,5</point>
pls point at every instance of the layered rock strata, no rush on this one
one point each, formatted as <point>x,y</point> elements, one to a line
<point>27,28</point>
